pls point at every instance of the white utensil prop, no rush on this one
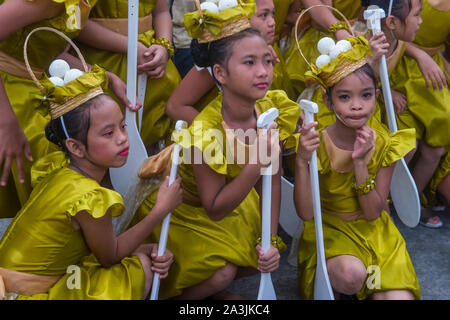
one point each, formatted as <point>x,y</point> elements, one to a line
<point>166,222</point>
<point>142,87</point>
<point>289,220</point>
<point>403,187</point>
<point>122,178</point>
<point>266,289</point>
<point>322,286</point>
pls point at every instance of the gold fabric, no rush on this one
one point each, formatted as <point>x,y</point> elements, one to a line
<point>156,125</point>
<point>375,243</point>
<point>200,245</point>
<point>43,48</point>
<point>41,240</point>
<point>120,25</point>
<point>207,26</point>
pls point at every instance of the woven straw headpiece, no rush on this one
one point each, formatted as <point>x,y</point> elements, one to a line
<point>207,26</point>
<point>62,99</point>
<point>346,62</point>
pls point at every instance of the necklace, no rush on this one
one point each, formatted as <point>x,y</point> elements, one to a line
<point>80,171</point>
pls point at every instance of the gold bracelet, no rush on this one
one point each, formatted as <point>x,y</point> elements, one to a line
<point>276,242</point>
<point>338,26</point>
<point>366,186</point>
<point>166,44</point>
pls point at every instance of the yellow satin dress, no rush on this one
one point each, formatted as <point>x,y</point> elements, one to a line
<point>346,232</point>
<point>427,111</point>
<point>295,64</point>
<point>155,123</point>
<point>25,97</point>
<point>200,245</point>
<point>280,76</point>
<point>41,239</point>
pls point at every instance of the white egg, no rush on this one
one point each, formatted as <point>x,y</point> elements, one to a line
<point>72,74</point>
<point>57,81</point>
<point>58,68</point>
<point>322,59</point>
<point>335,52</point>
<point>325,45</point>
<point>209,6</point>
<point>225,4</point>
<point>344,45</point>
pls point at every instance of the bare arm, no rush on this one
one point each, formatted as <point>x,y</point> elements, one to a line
<point>308,142</point>
<point>16,14</point>
<point>429,68</point>
<point>188,92</point>
<point>324,17</point>
<point>220,198</point>
<point>373,202</point>
<point>109,249</point>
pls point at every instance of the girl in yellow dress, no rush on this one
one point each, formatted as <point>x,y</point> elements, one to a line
<point>109,49</point>
<point>214,232</point>
<point>425,109</point>
<point>61,245</point>
<point>200,84</point>
<point>22,123</point>
<point>355,164</point>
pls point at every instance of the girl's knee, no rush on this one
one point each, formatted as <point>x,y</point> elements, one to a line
<point>224,276</point>
<point>347,276</point>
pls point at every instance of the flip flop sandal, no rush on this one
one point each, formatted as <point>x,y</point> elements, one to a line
<point>431,225</point>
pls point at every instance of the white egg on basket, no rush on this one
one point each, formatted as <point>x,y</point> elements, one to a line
<point>344,45</point>
<point>322,59</point>
<point>210,6</point>
<point>72,74</point>
<point>57,81</point>
<point>58,68</point>
<point>325,45</point>
<point>225,4</point>
<point>335,52</point>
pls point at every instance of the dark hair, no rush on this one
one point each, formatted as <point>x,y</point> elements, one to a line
<point>366,70</point>
<point>400,8</point>
<point>218,51</point>
<point>77,123</point>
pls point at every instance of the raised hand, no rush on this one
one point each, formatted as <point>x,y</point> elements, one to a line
<point>364,142</point>
<point>308,141</point>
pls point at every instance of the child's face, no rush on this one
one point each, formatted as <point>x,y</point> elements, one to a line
<point>353,100</point>
<point>263,19</point>
<point>249,71</point>
<point>107,136</point>
<point>408,29</point>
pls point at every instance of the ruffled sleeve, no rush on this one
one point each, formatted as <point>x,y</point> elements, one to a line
<point>289,112</point>
<point>46,165</point>
<point>207,135</point>
<point>97,202</point>
<point>400,143</point>
<point>77,12</point>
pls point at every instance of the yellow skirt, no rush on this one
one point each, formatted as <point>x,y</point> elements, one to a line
<point>122,281</point>
<point>442,171</point>
<point>201,246</point>
<point>375,243</point>
<point>32,119</point>
<point>427,111</point>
